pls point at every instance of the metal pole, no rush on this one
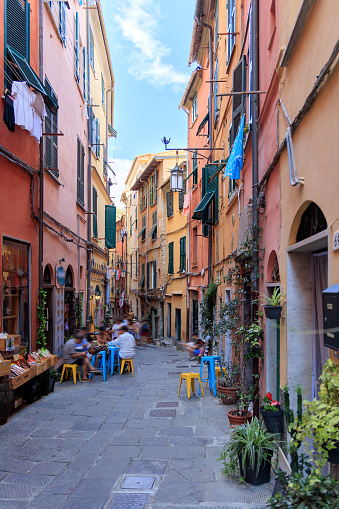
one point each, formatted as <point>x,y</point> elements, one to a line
<point>41,213</point>
<point>255,107</point>
<point>89,180</point>
<point>278,360</point>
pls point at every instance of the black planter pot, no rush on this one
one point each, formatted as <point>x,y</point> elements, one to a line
<point>273,312</point>
<point>264,474</point>
<point>51,384</point>
<point>44,382</point>
<point>274,420</point>
<point>333,455</point>
<point>6,397</point>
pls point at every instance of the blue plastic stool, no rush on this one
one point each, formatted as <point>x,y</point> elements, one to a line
<point>101,363</point>
<point>112,361</point>
<point>210,359</point>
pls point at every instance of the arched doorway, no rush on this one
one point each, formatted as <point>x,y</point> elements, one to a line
<point>307,277</point>
<point>272,334</point>
<point>70,304</point>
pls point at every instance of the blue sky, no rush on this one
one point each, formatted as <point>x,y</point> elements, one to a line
<point>149,43</point>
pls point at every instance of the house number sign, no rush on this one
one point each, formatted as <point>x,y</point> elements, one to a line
<point>335,241</point>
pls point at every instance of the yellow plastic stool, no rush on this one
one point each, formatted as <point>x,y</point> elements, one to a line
<point>70,367</point>
<point>190,377</point>
<point>217,373</point>
<point>129,363</point>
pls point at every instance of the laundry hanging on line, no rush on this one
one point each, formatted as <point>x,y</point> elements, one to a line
<point>29,109</point>
<point>8,116</point>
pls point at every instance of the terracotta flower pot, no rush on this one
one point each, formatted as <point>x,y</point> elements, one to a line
<point>228,395</point>
<point>237,420</point>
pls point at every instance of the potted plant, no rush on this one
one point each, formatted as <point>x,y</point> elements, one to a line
<point>272,307</point>
<point>249,452</point>
<point>273,414</point>
<point>54,376</point>
<point>320,421</point>
<point>242,413</point>
<point>228,385</point>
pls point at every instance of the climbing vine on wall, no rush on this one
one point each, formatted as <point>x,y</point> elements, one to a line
<point>42,320</point>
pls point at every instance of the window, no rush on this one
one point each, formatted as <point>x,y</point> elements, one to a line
<point>95,213</point>
<point>85,84</point>
<point>103,91</point>
<point>194,108</point>
<point>143,236</point>
<point>51,142</point>
<point>92,125</point>
<point>151,190</point>
<point>152,275</point>
<point>171,258</point>
<point>153,231</point>
<point>195,245</point>
<point>62,22</point>
<point>136,218</point>
<point>183,254</point>
<point>17,29</point>
<point>97,138</point>
<point>169,199</point>
<point>181,199</point>
<point>239,101</point>
<point>80,172</point>
<point>143,198</point>
<point>91,48</point>
<point>216,103</point>
<point>156,176</point>
<point>195,168</point>
<point>77,48</point>
<point>231,27</point>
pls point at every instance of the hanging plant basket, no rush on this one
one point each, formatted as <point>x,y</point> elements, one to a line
<point>274,420</point>
<point>273,312</point>
<point>333,455</point>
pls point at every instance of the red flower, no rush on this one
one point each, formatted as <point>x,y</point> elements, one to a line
<point>269,396</point>
<point>274,403</point>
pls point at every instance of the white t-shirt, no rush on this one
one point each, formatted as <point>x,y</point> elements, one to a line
<point>126,344</point>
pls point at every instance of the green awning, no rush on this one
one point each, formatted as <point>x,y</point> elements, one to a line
<point>29,76</point>
<point>202,124</point>
<point>154,227</point>
<point>197,214</point>
<point>142,231</point>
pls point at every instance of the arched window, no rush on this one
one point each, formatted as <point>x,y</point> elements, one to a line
<point>69,277</point>
<point>312,222</point>
<point>47,279</point>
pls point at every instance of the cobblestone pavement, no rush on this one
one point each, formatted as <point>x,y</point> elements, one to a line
<point>127,443</point>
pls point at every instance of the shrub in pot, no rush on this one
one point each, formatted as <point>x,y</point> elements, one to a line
<point>242,413</point>
<point>228,385</point>
<point>272,414</point>
<point>249,452</point>
<point>320,421</point>
<point>54,376</point>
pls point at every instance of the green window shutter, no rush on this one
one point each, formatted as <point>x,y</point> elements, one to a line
<point>170,258</point>
<point>155,186</point>
<point>51,142</point>
<point>143,237</point>
<point>95,212</point>
<point>147,275</point>
<point>17,28</point>
<point>77,48</point>
<point>195,168</point>
<point>207,187</point>
<point>84,75</point>
<point>181,199</point>
<point>154,274</point>
<point>239,101</point>
<point>169,198</point>
<point>182,254</point>
<point>110,226</point>
<point>140,198</point>
<point>80,171</point>
<point>62,22</point>
<point>151,190</point>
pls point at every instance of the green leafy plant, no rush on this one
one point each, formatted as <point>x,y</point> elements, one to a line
<point>90,319</point>
<point>42,320</point>
<point>275,298</point>
<point>291,427</point>
<point>54,375</point>
<point>206,310</point>
<point>320,421</point>
<point>248,442</point>
<point>307,491</point>
<point>80,309</point>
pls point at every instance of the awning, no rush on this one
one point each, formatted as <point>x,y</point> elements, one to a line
<point>142,231</point>
<point>197,214</point>
<point>111,131</point>
<point>154,227</point>
<point>202,124</point>
<point>31,78</point>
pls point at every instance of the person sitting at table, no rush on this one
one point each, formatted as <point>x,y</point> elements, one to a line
<point>126,343</point>
<point>74,353</point>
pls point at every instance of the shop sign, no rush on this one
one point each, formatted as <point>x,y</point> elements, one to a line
<point>335,241</point>
<point>60,276</point>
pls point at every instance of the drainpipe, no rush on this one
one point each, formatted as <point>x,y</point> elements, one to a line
<point>89,182</point>
<point>41,154</point>
<point>210,131</point>
<point>255,110</point>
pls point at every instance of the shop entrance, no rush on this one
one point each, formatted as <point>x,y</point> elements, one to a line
<point>177,325</point>
<point>69,305</point>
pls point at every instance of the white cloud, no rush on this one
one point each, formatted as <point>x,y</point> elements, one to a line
<point>139,22</point>
<point>121,168</point>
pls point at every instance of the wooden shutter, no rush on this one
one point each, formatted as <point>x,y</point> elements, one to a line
<point>156,186</point>
<point>84,75</point>
<point>147,275</point>
<point>110,226</point>
<point>82,173</point>
<point>181,199</point>
<point>183,254</point>
<point>77,48</point>
<point>154,274</point>
<point>17,29</point>
<point>195,167</point>
<point>78,170</point>
<point>169,198</point>
<point>151,191</point>
<point>239,101</point>
<point>95,212</point>
<point>170,258</point>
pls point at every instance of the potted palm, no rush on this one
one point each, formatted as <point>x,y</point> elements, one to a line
<point>249,453</point>
<point>272,307</point>
<point>320,421</point>
<point>273,414</point>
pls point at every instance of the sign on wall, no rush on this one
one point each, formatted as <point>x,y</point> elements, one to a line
<point>335,241</point>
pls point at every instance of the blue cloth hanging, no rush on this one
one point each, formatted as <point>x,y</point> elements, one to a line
<point>235,160</point>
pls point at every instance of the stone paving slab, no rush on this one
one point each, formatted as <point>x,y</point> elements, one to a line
<point>77,447</point>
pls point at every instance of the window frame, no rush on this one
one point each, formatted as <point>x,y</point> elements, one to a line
<point>80,173</point>
<point>182,265</point>
<point>230,28</point>
<point>194,108</point>
<point>170,268</point>
<point>51,126</point>
<point>95,212</point>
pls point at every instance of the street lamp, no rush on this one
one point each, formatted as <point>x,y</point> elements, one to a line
<point>177,179</point>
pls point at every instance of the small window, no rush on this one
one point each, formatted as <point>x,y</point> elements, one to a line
<point>194,108</point>
<point>95,213</point>
<point>195,168</point>
<point>91,48</point>
<point>62,22</point>
<point>181,199</point>
<point>231,27</point>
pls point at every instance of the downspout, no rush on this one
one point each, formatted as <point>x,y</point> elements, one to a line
<point>147,200</point>
<point>255,111</point>
<point>41,154</point>
<point>89,181</point>
<point>210,131</point>
<point>188,241</point>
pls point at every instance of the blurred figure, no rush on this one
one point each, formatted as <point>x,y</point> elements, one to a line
<point>196,348</point>
<point>126,343</point>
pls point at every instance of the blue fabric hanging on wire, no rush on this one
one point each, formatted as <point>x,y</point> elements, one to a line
<point>235,160</point>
